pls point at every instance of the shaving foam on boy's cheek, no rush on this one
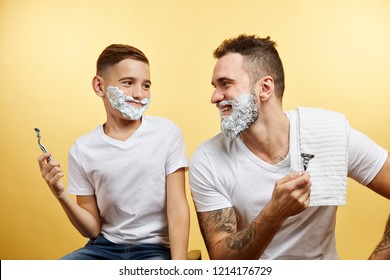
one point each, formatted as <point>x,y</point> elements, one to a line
<point>118,101</point>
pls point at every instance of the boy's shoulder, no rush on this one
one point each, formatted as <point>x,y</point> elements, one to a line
<point>91,135</point>
<point>159,122</point>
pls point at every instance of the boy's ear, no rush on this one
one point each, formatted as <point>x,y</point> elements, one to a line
<point>97,85</point>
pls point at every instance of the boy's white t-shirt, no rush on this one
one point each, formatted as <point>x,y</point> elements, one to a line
<point>128,178</point>
<point>226,173</point>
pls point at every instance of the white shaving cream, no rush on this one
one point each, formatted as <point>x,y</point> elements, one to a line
<point>119,101</point>
<point>244,113</point>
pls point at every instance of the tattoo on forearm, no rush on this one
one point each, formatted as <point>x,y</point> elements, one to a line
<point>224,220</point>
<point>385,242</point>
<point>217,221</point>
<point>241,239</point>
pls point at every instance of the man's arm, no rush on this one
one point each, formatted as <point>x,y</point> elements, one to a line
<point>178,214</point>
<point>222,237</point>
<point>381,183</point>
<point>382,250</point>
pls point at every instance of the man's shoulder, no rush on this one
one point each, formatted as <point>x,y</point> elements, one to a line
<point>319,112</point>
<point>213,147</point>
<point>213,142</point>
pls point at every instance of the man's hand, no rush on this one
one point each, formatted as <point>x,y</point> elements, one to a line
<point>291,195</point>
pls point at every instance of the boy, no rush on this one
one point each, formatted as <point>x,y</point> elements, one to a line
<point>127,174</point>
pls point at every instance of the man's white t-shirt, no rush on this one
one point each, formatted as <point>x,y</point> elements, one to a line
<point>226,173</point>
<point>128,178</point>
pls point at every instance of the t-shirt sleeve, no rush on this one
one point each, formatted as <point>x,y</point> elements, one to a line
<point>206,194</point>
<point>176,157</point>
<point>78,181</point>
<point>365,157</point>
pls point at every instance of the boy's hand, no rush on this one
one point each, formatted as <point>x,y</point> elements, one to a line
<point>52,173</point>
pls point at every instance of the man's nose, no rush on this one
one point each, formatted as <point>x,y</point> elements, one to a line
<point>217,96</point>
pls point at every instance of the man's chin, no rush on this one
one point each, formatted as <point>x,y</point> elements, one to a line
<point>231,135</point>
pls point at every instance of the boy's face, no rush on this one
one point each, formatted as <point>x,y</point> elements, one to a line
<point>127,87</point>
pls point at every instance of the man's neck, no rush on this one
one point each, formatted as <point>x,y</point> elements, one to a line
<point>269,138</point>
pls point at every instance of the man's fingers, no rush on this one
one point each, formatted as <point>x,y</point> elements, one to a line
<point>290,177</point>
<point>305,198</point>
<point>303,182</point>
<point>296,181</point>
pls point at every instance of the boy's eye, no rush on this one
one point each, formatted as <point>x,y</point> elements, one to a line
<point>147,86</point>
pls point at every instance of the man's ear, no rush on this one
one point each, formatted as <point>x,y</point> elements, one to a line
<point>98,86</point>
<point>266,87</point>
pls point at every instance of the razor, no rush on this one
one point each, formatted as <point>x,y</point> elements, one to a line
<point>43,149</point>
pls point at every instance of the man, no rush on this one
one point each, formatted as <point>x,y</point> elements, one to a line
<point>128,174</point>
<point>382,250</point>
<point>253,184</point>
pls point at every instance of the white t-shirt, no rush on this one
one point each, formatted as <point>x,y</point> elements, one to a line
<point>226,173</point>
<point>128,178</point>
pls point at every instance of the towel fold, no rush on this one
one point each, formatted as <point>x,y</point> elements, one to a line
<point>324,134</point>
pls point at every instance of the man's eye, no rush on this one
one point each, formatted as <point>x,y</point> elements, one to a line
<point>225,84</point>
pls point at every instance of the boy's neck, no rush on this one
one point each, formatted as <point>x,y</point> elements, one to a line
<point>121,130</point>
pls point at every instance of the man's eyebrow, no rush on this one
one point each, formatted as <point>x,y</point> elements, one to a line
<point>222,79</point>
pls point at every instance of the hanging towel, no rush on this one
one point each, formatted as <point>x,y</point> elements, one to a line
<point>324,134</point>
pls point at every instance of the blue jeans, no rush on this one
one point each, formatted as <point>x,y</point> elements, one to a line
<point>102,249</point>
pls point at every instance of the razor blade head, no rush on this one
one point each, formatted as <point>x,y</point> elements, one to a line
<point>43,149</point>
<point>38,132</point>
<point>305,160</point>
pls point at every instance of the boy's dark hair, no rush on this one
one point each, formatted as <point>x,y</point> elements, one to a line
<point>260,58</point>
<point>116,53</point>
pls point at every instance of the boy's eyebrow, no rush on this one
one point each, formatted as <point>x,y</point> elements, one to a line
<point>126,78</point>
<point>133,78</point>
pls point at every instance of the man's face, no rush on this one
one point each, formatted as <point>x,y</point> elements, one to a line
<point>127,86</point>
<point>233,95</point>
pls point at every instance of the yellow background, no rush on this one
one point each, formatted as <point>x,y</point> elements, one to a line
<point>336,56</point>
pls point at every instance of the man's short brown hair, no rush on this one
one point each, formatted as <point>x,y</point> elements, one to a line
<point>260,58</point>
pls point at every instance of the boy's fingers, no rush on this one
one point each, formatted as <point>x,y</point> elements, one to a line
<point>42,159</point>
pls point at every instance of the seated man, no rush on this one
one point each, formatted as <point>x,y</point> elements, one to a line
<point>253,184</point>
<point>382,250</point>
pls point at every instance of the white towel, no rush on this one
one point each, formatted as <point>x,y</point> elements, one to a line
<point>324,134</point>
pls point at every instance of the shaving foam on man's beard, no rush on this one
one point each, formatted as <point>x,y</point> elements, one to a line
<point>119,101</point>
<point>244,113</point>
